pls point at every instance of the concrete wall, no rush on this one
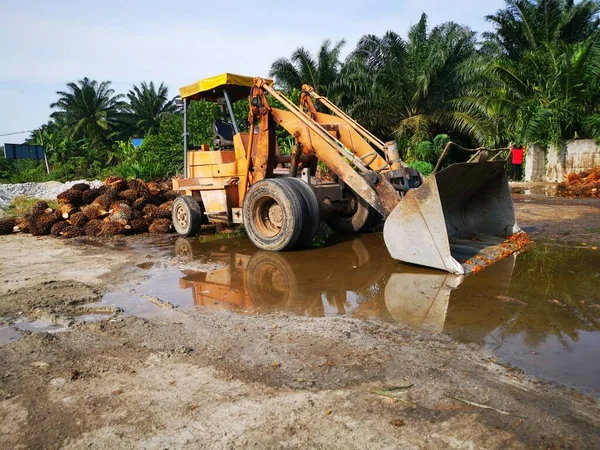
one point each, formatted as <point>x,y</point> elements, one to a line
<point>555,164</point>
<point>535,163</point>
<point>582,155</point>
<point>576,156</point>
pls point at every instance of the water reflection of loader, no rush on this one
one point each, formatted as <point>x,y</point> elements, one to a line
<point>320,282</point>
<point>295,282</point>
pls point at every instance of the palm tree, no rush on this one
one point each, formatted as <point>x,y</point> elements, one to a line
<point>146,106</point>
<point>90,110</point>
<point>320,70</point>
<point>546,70</point>
<point>532,25</point>
<point>414,88</point>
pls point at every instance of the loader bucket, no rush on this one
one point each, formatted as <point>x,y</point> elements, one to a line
<point>456,220</point>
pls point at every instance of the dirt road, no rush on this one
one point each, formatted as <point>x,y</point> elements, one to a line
<point>195,379</point>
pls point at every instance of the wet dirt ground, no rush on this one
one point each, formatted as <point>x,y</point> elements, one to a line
<point>170,342</point>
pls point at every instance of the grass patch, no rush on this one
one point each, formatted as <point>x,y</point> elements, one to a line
<point>234,233</point>
<point>595,230</point>
<point>22,204</point>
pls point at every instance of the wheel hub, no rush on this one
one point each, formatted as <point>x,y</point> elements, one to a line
<point>349,204</point>
<point>275,215</point>
<point>182,217</point>
<point>268,216</point>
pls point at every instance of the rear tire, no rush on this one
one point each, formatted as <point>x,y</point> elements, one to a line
<point>311,215</point>
<point>354,217</point>
<point>272,215</point>
<point>187,216</point>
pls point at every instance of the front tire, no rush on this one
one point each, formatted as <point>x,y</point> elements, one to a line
<point>272,215</point>
<point>311,215</point>
<point>354,217</point>
<point>186,215</point>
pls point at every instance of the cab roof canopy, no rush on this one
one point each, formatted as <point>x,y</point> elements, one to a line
<point>210,89</point>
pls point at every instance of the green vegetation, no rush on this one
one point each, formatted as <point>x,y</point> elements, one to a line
<point>534,79</point>
<point>21,205</point>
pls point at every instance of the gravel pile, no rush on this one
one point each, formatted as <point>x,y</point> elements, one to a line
<point>44,191</point>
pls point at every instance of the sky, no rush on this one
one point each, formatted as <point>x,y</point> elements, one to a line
<point>46,44</point>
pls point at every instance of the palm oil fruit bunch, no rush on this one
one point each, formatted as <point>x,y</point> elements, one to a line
<point>117,207</point>
<point>585,184</point>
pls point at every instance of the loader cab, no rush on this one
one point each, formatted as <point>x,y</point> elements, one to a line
<point>215,173</point>
<point>223,90</point>
<point>226,126</point>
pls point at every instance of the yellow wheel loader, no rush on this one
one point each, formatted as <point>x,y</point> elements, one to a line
<point>453,220</point>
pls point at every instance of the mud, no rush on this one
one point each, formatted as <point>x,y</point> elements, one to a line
<point>249,365</point>
<point>58,297</point>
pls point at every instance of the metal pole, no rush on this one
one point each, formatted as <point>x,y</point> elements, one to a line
<point>230,109</point>
<point>45,155</point>
<point>249,153</point>
<point>185,139</point>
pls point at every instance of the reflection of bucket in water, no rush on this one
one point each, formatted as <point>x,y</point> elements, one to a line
<point>420,297</point>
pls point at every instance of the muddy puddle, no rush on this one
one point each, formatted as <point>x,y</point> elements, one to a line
<point>538,310</point>
<point>13,330</point>
<point>535,191</point>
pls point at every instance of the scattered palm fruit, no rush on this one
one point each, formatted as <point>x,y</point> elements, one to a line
<point>78,219</point>
<point>7,224</point>
<point>162,226</point>
<point>583,184</point>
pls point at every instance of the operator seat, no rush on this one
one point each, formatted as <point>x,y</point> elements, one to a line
<point>223,134</point>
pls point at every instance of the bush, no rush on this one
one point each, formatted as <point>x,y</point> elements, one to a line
<point>21,171</point>
<point>425,151</point>
<point>422,166</point>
